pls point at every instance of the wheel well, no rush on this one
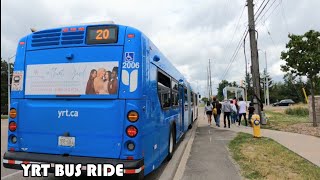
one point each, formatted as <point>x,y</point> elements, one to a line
<point>174,128</point>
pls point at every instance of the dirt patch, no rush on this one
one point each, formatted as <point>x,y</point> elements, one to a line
<point>303,128</point>
<point>279,109</point>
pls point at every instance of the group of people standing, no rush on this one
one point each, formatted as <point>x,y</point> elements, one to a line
<point>102,81</point>
<point>232,110</point>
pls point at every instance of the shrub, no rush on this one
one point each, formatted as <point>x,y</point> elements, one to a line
<point>298,111</point>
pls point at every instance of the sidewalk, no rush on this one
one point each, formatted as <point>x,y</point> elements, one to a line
<point>208,157</point>
<point>306,146</point>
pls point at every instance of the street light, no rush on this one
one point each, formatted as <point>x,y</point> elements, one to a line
<point>9,81</point>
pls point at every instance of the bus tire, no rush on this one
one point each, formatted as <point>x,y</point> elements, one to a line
<point>190,125</point>
<point>172,143</point>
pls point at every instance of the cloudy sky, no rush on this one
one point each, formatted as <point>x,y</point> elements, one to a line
<point>188,32</point>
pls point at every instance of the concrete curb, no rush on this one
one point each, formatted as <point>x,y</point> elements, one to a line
<point>183,160</point>
<point>172,166</point>
<point>234,162</point>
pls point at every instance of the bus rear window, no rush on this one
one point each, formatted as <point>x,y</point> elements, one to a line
<point>102,34</point>
<point>89,78</point>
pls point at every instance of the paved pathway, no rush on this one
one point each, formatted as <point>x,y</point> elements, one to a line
<point>209,157</point>
<point>304,145</point>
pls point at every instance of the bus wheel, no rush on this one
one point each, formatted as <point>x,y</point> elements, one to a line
<point>190,125</point>
<point>172,143</point>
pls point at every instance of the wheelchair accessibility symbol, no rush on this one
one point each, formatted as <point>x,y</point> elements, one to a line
<point>129,56</point>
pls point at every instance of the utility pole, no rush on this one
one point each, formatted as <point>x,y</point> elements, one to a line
<point>210,82</point>
<point>265,86</point>
<point>254,62</point>
<point>247,85</point>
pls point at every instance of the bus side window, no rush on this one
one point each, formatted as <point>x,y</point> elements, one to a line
<point>164,90</point>
<point>185,96</point>
<point>196,100</point>
<point>191,98</point>
<point>175,94</point>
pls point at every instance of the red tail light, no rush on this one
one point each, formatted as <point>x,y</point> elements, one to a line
<point>12,126</point>
<point>132,131</point>
<point>130,158</point>
<point>130,35</point>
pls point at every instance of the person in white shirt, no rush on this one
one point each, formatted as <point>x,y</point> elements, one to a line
<point>242,110</point>
<point>208,111</point>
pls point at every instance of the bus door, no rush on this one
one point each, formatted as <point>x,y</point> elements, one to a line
<point>181,107</point>
<point>185,109</point>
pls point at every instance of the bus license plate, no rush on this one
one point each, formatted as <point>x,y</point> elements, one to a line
<point>66,141</point>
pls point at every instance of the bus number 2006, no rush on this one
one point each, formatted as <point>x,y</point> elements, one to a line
<point>130,64</point>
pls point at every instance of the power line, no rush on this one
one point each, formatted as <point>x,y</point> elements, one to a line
<point>269,34</point>
<point>257,20</point>
<point>257,16</point>
<point>234,54</point>
<point>284,17</point>
<point>260,6</point>
<point>235,30</point>
<point>233,57</point>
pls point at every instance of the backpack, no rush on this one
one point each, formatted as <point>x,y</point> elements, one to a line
<point>214,110</point>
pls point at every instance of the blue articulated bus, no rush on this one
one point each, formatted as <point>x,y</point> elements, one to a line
<point>96,94</point>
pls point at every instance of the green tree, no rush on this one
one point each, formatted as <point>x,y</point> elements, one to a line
<point>293,87</point>
<point>204,99</point>
<point>223,84</point>
<point>277,92</point>
<point>303,59</point>
<point>249,86</point>
<point>4,85</point>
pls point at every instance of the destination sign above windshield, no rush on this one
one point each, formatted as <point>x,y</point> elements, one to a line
<point>102,34</point>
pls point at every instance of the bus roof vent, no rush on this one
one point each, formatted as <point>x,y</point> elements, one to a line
<point>75,37</point>
<point>54,37</point>
<point>46,38</point>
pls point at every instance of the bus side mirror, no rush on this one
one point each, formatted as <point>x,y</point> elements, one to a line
<point>181,82</point>
<point>199,96</point>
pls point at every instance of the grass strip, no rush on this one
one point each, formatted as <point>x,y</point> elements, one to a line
<point>263,158</point>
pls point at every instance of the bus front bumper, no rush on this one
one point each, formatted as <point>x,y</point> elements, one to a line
<point>13,160</point>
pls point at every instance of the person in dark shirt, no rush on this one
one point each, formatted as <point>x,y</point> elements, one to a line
<point>251,111</point>
<point>113,86</point>
<point>216,104</point>
<point>90,85</point>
